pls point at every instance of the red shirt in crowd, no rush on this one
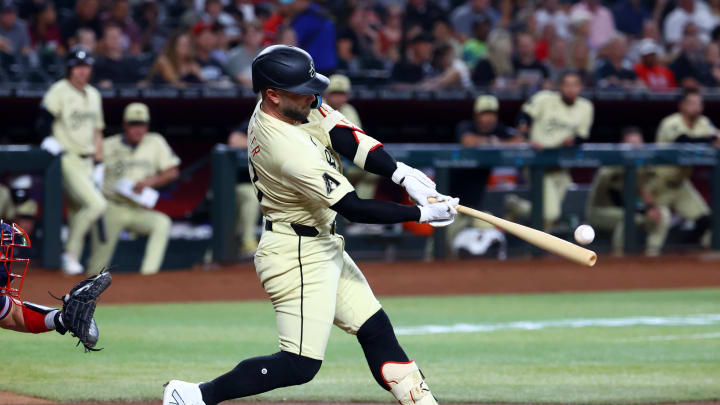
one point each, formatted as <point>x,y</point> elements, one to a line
<point>657,77</point>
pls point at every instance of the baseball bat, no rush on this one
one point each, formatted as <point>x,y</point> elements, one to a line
<point>540,239</point>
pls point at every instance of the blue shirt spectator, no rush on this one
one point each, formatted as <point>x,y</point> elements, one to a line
<point>629,16</point>
<point>316,34</point>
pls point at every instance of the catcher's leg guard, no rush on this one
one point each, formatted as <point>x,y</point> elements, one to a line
<point>407,384</point>
<point>39,319</point>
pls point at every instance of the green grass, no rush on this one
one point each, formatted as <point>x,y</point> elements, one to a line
<point>146,345</point>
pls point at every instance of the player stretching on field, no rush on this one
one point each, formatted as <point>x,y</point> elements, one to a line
<point>293,143</point>
<point>76,315</point>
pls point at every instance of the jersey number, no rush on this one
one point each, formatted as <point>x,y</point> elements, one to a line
<point>330,183</point>
<point>255,179</point>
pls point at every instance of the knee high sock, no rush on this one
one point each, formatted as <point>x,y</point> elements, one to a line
<point>378,341</point>
<point>260,374</point>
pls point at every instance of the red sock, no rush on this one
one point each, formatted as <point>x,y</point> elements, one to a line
<point>34,321</point>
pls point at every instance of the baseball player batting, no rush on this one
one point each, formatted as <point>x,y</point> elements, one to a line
<point>293,144</point>
<point>76,315</point>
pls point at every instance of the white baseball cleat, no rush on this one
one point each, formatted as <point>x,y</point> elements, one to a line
<point>70,265</point>
<point>182,393</point>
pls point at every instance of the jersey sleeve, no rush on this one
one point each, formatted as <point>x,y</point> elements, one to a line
<point>52,102</point>
<point>100,122</point>
<point>665,133</point>
<point>586,121</point>
<point>534,106</point>
<point>316,179</point>
<point>165,157</point>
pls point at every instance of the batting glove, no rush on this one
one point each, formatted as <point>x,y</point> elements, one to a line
<point>418,186</point>
<point>439,214</point>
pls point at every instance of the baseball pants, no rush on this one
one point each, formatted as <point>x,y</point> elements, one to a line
<point>555,186</point>
<point>682,198</point>
<point>87,204</point>
<point>312,283</point>
<point>119,217</point>
<point>612,219</point>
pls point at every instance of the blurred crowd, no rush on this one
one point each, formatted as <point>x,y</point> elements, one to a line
<point>416,44</point>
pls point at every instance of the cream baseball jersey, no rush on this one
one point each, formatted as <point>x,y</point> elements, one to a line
<point>78,114</point>
<point>148,158</point>
<point>672,126</point>
<point>554,121</point>
<point>293,168</point>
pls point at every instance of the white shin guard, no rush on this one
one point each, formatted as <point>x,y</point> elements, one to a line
<point>407,383</point>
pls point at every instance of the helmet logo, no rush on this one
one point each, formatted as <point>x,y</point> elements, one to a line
<point>311,72</point>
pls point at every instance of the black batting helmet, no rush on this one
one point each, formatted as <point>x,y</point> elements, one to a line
<point>79,55</point>
<point>287,68</point>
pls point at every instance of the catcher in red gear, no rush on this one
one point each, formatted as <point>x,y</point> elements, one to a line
<point>76,315</point>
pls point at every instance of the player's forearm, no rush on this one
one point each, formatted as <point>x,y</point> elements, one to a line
<point>698,139</point>
<point>163,178</point>
<point>43,125</point>
<point>98,141</point>
<point>374,211</point>
<point>363,150</point>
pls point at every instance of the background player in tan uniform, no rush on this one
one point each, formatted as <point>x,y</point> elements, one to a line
<point>248,209</point>
<point>71,113</point>
<point>312,282</point>
<point>554,119</point>
<point>145,159</point>
<point>673,187</point>
<point>605,205</point>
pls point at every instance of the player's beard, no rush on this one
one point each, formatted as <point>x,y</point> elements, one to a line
<point>295,113</point>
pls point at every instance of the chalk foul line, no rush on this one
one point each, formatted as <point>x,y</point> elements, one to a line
<point>684,320</point>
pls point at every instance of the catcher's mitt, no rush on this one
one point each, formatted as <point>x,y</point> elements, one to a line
<point>79,307</point>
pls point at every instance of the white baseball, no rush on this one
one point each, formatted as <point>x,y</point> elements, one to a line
<point>584,234</point>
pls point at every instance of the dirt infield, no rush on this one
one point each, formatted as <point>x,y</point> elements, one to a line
<point>232,283</point>
<point>239,282</point>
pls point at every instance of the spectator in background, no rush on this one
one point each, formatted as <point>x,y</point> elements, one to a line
<point>85,37</point>
<point>688,64</point>
<point>611,72</point>
<point>545,42</point>
<point>650,70</point>
<point>242,10</point>
<point>674,188</point>
<point>85,16</point>
<point>241,57</point>
<point>214,14</point>
<point>710,69</point>
<point>580,26</point>
<point>391,33</point>
<point>497,69</point>
<point>606,208</point>
<point>119,15</point>
<point>551,13</point>
<point>475,48</point>
<point>651,32</point>
<point>361,35</point>
<point>443,33</point>
<point>176,64</point>
<point>112,67</point>
<point>602,24</point>
<point>688,11</point>
<point>464,17</point>
<point>44,32</point>
<point>286,36</point>
<point>714,6</point>
<point>554,120</point>
<point>557,62</point>
<point>315,33</point>
<point>451,72</point>
<point>415,67</point>
<point>529,72</point>
<point>629,16</point>
<point>14,38</point>
<point>581,62</point>
<point>147,161</point>
<point>422,13</point>
<point>205,41</point>
<point>153,33</point>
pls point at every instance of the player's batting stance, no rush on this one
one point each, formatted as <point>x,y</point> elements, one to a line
<point>76,315</point>
<point>293,141</point>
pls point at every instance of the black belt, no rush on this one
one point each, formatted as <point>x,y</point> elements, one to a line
<point>301,230</point>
